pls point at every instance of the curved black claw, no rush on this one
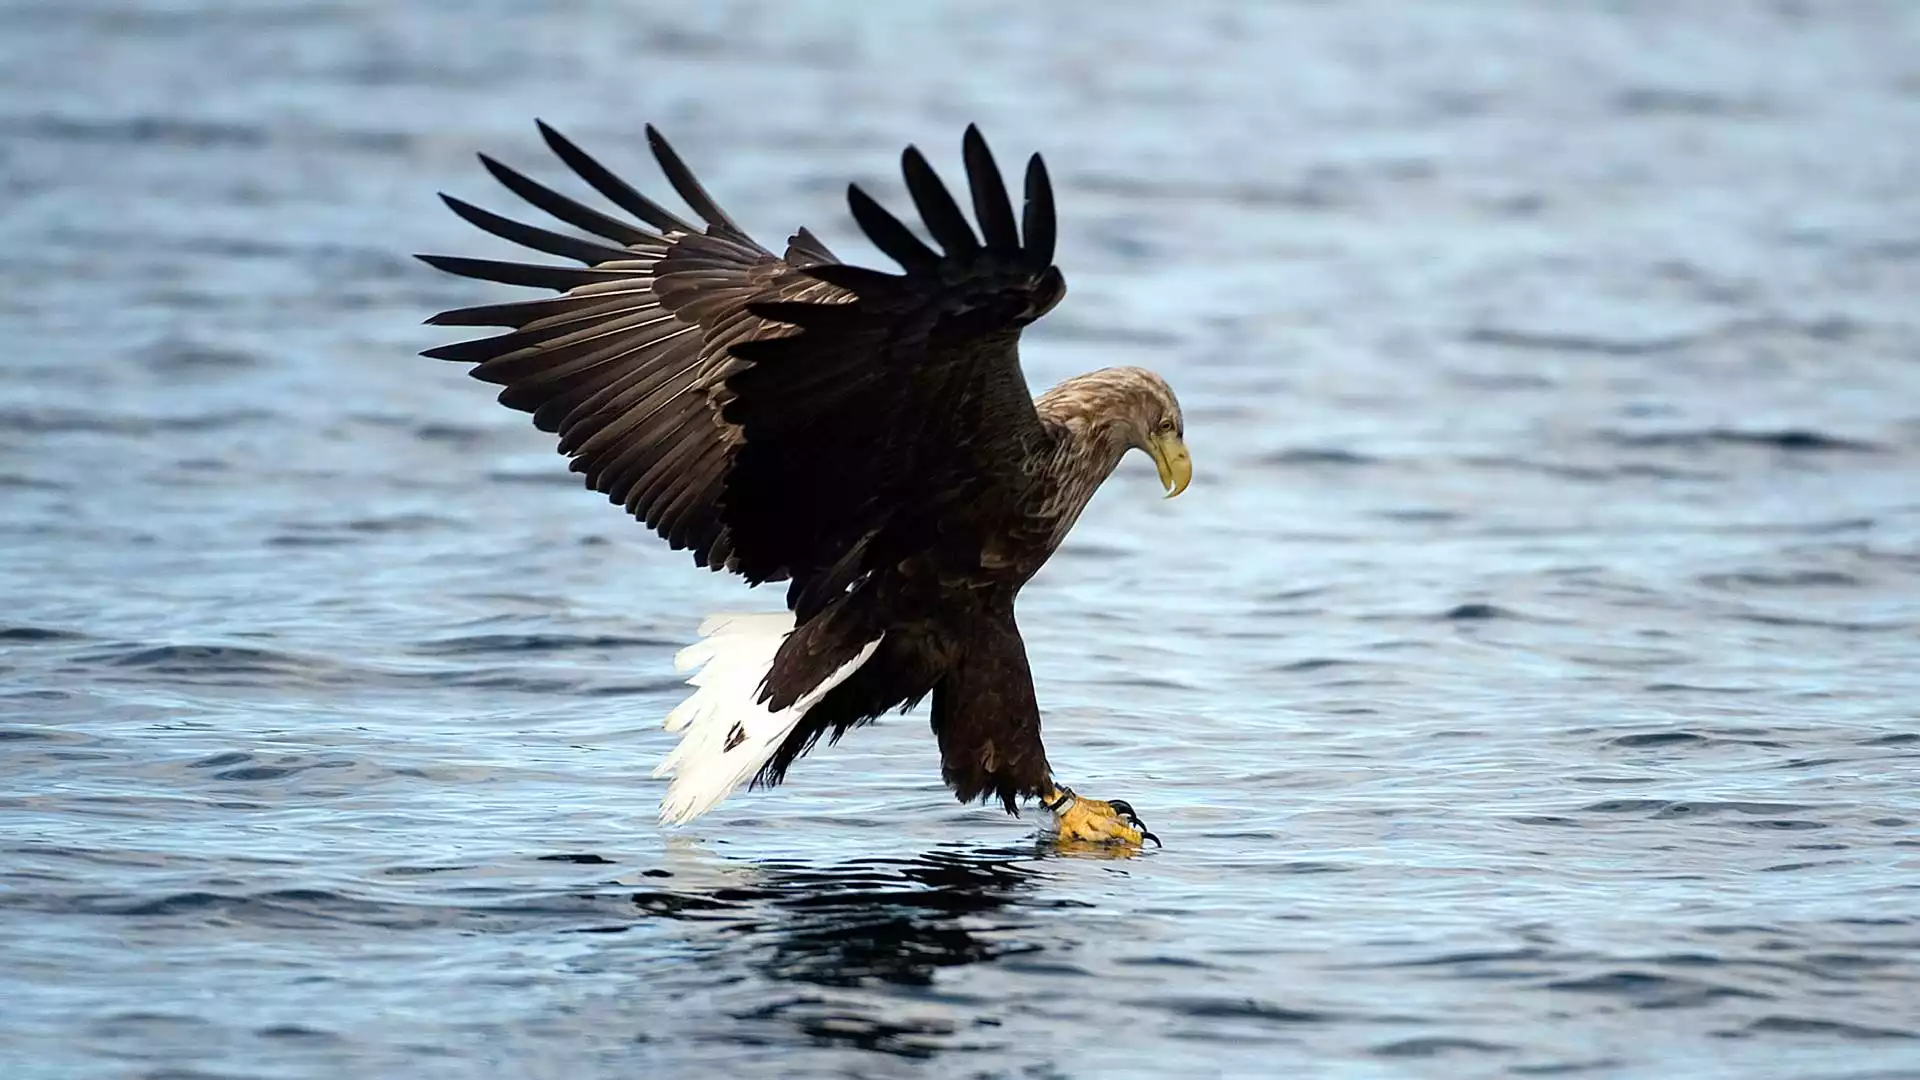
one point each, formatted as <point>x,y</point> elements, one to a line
<point>1125,809</point>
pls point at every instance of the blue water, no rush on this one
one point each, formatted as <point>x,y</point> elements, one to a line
<point>1528,685</point>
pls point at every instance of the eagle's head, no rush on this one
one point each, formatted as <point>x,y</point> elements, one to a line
<point>1126,408</point>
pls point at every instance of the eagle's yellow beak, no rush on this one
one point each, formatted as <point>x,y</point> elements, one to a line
<point>1170,457</point>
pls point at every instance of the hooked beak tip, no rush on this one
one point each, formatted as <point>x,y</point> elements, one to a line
<point>1174,464</point>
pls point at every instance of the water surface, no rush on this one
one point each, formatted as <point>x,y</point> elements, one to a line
<point>1527,685</point>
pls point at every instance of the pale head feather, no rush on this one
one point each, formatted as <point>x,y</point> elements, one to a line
<point>1112,410</point>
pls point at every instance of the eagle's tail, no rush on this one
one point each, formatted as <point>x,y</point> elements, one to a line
<point>727,734</point>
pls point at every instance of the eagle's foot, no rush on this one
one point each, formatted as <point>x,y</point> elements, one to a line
<point>1091,821</point>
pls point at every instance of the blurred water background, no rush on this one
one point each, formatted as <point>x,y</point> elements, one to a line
<point>1527,686</point>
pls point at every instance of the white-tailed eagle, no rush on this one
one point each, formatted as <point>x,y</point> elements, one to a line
<point>866,437</point>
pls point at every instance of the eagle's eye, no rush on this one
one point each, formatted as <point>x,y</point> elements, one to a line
<point>1166,426</point>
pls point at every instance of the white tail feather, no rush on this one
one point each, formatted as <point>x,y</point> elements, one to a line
<point>733,655</point>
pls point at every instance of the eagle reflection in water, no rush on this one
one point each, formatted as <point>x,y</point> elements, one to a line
<point>888,921</point>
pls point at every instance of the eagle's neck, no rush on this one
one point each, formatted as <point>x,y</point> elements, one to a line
<point>1089,416</point>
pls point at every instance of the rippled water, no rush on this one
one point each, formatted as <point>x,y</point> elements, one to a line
<point>1527,686</point>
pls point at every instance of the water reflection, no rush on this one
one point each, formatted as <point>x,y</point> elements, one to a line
<point>829,941</point>
<point>892,919</point>
<point>895,921</point>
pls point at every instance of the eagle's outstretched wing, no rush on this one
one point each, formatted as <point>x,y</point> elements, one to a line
<point>628,364</point>
<point>784,417</point>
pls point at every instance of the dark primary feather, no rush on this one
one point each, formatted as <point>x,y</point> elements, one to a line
<point>602,180</point>
<point>689,189</point>
<point>990,203</point>
<point>553,243</point>
<point>798,418</point>
<point>1037,219</point>
<point>569,211</point>
<point>506,273</point>
<point>889,233</point>
<point>937,208</point>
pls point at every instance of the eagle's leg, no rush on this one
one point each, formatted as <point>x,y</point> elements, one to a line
<point>1094,821</point>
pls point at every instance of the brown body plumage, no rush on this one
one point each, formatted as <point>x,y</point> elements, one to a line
<point>866,437</point>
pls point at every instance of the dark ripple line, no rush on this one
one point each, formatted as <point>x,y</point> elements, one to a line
<point>306,906</point>
<point>1765,618</point>
<point>25,734</point>
<point>175,357</point>
<point>1211,1008</point>
<point>1660,809</point>
<point>1786,579</point>
<point>240,665</point>
<point>17,482</point>
<point>1436,1045</point>
<point>35,635</point>
<point>1648,991</point>
<point>1797,1025</point>
<point>1589,473</point>
<point>1526,954</point>
<point>1477,612</point>
<point>1791,439</point>
<point>491,644</point>
<point>49,421</point>
<point>206,660</point>
<point>1657,739</point>
<point>195,134</point>
<point>1318,456</point>
<point>1579,343</point>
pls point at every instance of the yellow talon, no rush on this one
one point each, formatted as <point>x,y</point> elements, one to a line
<point>1091,821</point>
